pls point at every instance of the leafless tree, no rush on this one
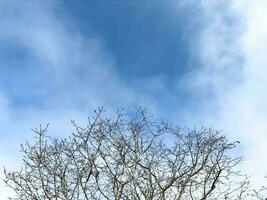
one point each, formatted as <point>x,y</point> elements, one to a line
<point>130,157</point>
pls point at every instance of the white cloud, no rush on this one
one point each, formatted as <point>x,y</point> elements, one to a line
<point>233,51</point>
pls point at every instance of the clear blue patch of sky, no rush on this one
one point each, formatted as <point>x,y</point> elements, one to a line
<point>146,38</point>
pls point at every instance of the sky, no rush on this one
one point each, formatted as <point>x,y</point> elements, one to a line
<point>191,62</point>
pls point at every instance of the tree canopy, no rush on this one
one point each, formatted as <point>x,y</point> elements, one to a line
<point>130,157</point>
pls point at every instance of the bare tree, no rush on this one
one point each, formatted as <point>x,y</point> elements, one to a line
<point>134,158</point>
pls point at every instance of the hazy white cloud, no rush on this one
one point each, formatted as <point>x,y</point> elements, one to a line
<point>248,100</point>
<point>233,80</point>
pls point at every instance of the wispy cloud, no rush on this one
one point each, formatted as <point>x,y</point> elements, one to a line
<point>233,80</point>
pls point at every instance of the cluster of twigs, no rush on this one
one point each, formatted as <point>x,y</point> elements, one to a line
<point>134,158</point>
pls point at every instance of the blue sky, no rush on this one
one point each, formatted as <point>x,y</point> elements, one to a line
<point>141,41</point>
<point>194,63</point>
<point>143,37</point>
